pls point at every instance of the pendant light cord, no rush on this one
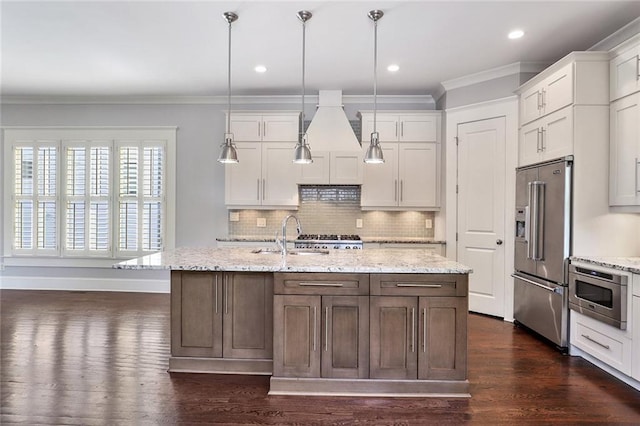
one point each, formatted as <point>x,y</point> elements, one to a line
<point>375,72</point>
<point>229,83</point>
<point>304,30</point>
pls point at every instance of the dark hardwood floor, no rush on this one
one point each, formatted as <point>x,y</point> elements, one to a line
<point>101,358</point>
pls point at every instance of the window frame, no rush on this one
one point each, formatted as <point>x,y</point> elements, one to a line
<point>62,138</point>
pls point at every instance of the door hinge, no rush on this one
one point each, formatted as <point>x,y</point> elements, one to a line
<point>456,188</point>
<point>457,140</point>
<point>456,236</point>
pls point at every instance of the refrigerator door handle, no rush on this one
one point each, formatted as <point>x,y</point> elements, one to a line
<point>532,246</point>
<point>558,290</point>
<point>527,230</point>
<point>540,218</point>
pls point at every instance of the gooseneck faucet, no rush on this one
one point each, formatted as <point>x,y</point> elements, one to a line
<point>284,231</point>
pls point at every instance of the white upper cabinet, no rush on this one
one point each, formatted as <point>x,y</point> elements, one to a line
<point>401,126</point>
<point>408,178</point>
<point>551,94</point>
<point>332,168</point>
<point>624,70</point>
<point>548,138</point>
<point>267,127</point>
<point>624,157</point>
<point>265,177</point>
<point>549,102</point>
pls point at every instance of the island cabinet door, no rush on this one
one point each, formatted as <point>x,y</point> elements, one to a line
<point>196,314</point>
<point>345,337</point>
<point>248,316</point>
<point>296,337</point>
<point>442,352</point>
<point>393,337</point>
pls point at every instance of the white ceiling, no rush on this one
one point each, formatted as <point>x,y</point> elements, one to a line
<point>121,48</point>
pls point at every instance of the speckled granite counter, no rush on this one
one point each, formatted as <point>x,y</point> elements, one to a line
<point>629,264</point>
<point>379,240</point>
<point>242,259</point>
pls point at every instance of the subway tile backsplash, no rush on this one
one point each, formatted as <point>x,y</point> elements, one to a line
<point>327,215</point>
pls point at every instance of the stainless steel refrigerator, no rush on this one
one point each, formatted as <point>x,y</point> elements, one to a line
<point>542,248</point>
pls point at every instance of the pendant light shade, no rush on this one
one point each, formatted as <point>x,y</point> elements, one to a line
<point>374,152</point>
<point>302,153</point>
<point>229,154</point>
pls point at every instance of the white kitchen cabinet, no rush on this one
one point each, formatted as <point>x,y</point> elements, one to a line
<point>265,177</point>
<point>401,126</point>
<point>409,178</point>
<point>635,367</point>
<point>267,127</point>
<point>624,70</point>
<point>547,138</point>
<point>602,341</point>
<point>624,169</point>
<point>551,94</point>
<point>335,168</point>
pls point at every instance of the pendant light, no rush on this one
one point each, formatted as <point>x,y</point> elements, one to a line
<point>374,152</point>
<point>302,152</point>
<point>229,155</point>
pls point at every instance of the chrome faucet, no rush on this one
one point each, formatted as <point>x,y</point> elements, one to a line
<point>284,231</point>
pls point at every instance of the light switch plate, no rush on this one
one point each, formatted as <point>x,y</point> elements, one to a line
<point>261,222</point>
<point>234,216</point>
<point>358,223</point>
<point>428,223</point>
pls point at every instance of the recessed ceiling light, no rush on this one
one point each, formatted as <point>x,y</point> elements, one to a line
<point>260,68</point>
<point>393,68</point>
<point>515,34</point>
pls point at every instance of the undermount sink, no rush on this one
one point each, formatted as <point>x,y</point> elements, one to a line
<point>296,252</point>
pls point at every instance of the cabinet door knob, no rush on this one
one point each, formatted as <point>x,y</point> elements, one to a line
<point>499,242</point>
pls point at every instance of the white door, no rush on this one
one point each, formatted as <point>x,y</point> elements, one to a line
<point>481,211</point>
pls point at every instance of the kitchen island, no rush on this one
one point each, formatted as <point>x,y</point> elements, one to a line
<point>361,322</point>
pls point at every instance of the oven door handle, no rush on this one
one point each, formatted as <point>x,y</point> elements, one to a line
<point>557,290</point>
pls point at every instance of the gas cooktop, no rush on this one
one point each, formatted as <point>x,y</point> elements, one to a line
<point>328,241</point>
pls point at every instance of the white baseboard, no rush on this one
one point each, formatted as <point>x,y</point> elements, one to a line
<point>84,284</point>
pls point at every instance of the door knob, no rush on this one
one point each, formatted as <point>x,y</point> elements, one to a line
<point>499,242</point>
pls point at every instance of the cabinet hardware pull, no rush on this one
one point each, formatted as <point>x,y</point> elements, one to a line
<point>402,129</point>
<point>395,194</point>
<point>424,329</point>
<point>596,342</point>
<point>326,329</point>
<point>418,285</point>
<point>638,68</point>
<point>544,98</point>
<point>258,190</point>
<point>263,186</point>
<point>538,140</point>
<point>401,189</point>
<point>413,329</point>
<point>396,129</point>
<point>216,291</point>
<point>637,174</point>
<point>226,293</point>
<point>542,137</point>
<point>264,129</point>
<point>538,95</point>
<point>321,284</point>
<point>315,328</point>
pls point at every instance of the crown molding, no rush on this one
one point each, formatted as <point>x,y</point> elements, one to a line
<point>615,41</point>
<point>207,100</point>
<point>493,73</point>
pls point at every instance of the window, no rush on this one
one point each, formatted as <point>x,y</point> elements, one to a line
<point>105,193</point>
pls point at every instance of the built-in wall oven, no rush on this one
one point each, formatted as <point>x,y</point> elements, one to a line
<point>599,295</point>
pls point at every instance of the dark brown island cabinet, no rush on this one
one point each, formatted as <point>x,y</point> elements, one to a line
<point>325,333</point>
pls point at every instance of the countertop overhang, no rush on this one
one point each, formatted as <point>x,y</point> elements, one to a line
<point>629,264</point>
<point>410,261</point>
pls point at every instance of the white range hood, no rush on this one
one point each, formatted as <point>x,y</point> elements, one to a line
<point>330,129</point>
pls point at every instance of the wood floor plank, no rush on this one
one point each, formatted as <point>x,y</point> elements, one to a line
<point>93,358</point>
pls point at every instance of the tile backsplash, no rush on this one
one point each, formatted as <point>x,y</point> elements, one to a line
<point>322,212</point>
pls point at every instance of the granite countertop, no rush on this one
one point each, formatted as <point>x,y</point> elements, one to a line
<point>242,259</point>
<point>380,240</point>
<point>629,264</point>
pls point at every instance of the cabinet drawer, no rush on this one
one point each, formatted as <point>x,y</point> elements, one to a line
<point>321,284</point>
<point>602,342</point>
<point>418,285</point>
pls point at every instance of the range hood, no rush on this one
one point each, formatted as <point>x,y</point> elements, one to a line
<point>330,129</point>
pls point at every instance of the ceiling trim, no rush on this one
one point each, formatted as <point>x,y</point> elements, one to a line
<point>619,38</point>
<point>211,100</point>
<point>491,74</point>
